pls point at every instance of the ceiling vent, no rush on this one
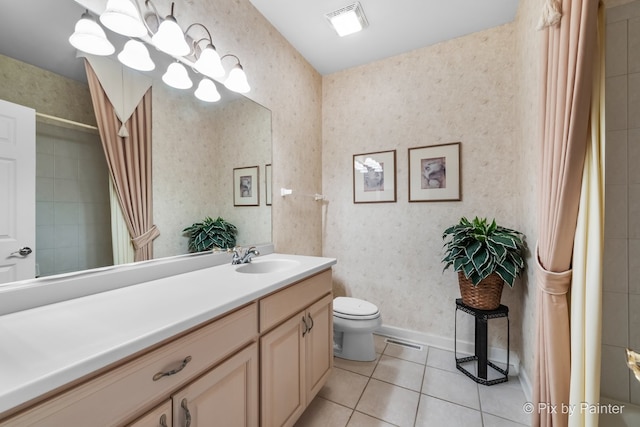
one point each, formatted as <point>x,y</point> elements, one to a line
<point>348,20</point>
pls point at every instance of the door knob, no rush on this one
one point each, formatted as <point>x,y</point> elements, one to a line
<point>23,251</point>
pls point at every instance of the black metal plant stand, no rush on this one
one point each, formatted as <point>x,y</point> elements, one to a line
<point>481,319</point>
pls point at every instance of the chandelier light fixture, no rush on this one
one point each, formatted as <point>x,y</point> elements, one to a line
<point>127,18</point>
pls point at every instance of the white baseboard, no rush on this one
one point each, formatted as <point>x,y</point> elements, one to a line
<point>497,355</point>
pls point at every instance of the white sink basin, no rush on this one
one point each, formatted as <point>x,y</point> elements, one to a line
<point>267,266</point>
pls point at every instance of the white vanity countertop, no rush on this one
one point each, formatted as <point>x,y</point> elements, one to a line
<point>46,347</point>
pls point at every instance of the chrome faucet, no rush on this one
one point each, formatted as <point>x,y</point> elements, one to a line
<point>246,258</point>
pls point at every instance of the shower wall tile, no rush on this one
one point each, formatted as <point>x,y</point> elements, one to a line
<point>45,213</point>
<point>44,189</point>
<point>44,165</point>
<point>634,100</point>
<point>634,45</point>
<point>66,167</point>
<point>66,236</point>
<point>616,49</point>
<point>615,324</point>
<point>614,380</point>
<point>615,270</point>
<point>66,190</point>
<point>616,154</point>
<point>65,213</point>
<point>66,260</point>
<point>618,12</point>
<point>616,103</point>
<point>45,237</point>
<point>634,267</point>
<point>634,322</point>
<point>634,211</point>
<point>634,389</point>
<point>633,150</point>
<point>45,261</point>
<point>616,205</point>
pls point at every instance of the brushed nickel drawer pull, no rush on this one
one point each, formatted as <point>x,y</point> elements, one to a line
<point>306,327</point>
<point>187,413</point>
<point>159,375</point>
<point>163,420</point>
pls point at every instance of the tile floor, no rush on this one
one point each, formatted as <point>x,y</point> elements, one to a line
<point>408,387</point>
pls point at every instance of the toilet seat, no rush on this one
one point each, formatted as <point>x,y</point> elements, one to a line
<point>354,309</point>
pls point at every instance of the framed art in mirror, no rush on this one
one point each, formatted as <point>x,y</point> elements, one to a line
<point>374,177</point>
<point>245,186</point>
<point>434,173</point>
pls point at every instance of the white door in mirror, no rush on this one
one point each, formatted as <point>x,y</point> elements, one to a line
<point>17,188</point>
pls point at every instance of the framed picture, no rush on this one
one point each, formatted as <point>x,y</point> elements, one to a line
<point>267,183</point>
<point>434,173</point>
<point>246,186</point>
<point>374,177</point>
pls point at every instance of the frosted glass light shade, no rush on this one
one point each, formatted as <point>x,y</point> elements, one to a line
<point>122,17</point>
<point>347,23</point>
<point>207,91</point>
<point>90,37</point>
<point>170,38</point>
<point>177,76</point>
<point>135,55</point>
<point>237,80</point>
<point>209,63</point>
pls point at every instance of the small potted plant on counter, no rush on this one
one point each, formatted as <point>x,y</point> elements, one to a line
<point>210,234</point>
<point>485,255</point>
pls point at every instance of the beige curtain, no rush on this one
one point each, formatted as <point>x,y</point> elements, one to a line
<point>566,98</point>
<point>129,161</point>
<point>586,287</point>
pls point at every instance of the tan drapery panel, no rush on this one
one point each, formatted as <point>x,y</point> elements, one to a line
<point>129,161</point>
<point>569,54</point>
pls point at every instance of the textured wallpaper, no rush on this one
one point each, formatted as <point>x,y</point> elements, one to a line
<point>462,91</point>
<point>284,82</point>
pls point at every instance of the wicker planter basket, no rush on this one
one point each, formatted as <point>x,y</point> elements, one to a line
<point>485,296</point>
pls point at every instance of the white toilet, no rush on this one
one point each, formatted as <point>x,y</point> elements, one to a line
<point>354,321</point>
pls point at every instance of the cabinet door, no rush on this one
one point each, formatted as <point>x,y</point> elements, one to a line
<point>282,358</point>
<point>319,345</point>
<point>225,396</point>
<point>158,417</point>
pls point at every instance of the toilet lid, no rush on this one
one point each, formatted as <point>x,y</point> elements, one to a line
<point>354,307</point>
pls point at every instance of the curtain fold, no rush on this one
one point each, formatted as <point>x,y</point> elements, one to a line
<point>586,289</point>
<point>129,161</point>
<point>566,98</point>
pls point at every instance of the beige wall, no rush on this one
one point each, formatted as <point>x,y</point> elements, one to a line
<point>529,51</point>
<point>284,82</point>
<point>389,253</point>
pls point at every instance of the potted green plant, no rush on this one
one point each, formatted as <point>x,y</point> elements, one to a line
<point>210,234</point>
<point>485,255</point>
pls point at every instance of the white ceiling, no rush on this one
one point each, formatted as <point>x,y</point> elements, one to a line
<point>395,26</point>
<point>36,31</point>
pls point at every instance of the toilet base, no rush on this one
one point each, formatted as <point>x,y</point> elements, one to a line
<point>358,347</point>
<point>353,340</point>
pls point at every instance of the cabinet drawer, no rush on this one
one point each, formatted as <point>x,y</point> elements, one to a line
<point>128,390</point>
<point>283,304</point>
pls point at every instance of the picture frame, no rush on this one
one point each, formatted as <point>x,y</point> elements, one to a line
<point>267,184</point>
<point>246,186</point>
<point>435,173</point>
<point>374,177</point>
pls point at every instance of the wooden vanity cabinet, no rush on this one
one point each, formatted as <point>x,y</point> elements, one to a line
<point>260,365</point>
<point>296,353</point>
<point>121,394</point>
<point>158,417</point>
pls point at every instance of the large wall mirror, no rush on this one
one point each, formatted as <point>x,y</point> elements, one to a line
<point>196,147</point>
